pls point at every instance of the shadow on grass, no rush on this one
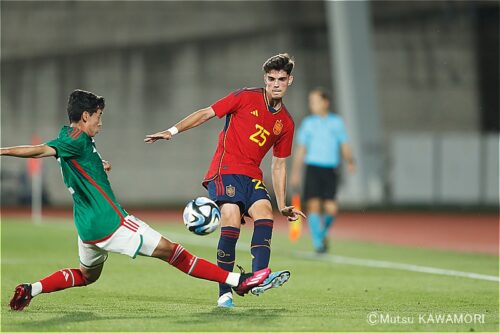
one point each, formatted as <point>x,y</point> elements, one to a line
<point>47,324</point>
<point>59,323</point>
<point>245,317</point>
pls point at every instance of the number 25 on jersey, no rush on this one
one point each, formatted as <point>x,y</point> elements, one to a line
<point>260,137</point>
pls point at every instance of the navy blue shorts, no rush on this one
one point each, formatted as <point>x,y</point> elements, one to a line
<point>238,189</point>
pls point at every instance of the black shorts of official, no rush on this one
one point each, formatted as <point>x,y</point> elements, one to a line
<point>320,183</point>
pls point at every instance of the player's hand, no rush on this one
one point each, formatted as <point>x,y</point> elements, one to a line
<point>106,165</point>
<point>165,135</point>
<point>292,213</point>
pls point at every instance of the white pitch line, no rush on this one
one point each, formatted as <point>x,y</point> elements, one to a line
<point>212,243</point>
<point>200,241</point>
<point>394,265</point>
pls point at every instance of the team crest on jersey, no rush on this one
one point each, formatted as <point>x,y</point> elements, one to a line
<point>278,126</point>
<point>230,191</point>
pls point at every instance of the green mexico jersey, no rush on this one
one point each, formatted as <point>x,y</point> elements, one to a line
<point>96,213</point>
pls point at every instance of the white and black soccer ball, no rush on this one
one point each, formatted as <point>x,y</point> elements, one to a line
<point>201,216</point>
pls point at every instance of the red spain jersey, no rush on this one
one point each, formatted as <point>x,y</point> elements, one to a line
<point>251,129</point>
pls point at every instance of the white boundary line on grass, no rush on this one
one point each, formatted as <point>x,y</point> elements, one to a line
<point>393,265</point>
<point>352,260</point>
<point>212,242</point>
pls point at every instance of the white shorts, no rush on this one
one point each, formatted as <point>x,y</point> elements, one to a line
<point>133,237</point>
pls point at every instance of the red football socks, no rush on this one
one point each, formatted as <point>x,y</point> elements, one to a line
<point>197,267</point>
<point>181,259</point>
<point>65,278</point>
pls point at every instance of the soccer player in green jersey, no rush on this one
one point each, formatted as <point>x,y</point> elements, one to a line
<point>103,225</point>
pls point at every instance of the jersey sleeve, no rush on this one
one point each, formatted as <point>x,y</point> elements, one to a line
<point>67,147</point>
<point>341,132</point>
<point>227,104</point>
<point>283,146</point>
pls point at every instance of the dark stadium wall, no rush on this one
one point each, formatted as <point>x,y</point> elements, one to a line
<point>156,62</point>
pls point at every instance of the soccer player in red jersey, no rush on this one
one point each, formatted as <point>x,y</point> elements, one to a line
<point>103,225</point>
<point>256,121</point>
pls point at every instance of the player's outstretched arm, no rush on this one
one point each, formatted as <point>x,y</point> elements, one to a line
<point>278,167</point>
<point>37,151</point>
<point>194,119</point>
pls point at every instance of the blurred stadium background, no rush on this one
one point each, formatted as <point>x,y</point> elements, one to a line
<point>417,82</point>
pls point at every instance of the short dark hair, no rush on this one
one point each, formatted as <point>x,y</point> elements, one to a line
<point>81,101</point>
<point>322,92</point>
<point>281,61</point>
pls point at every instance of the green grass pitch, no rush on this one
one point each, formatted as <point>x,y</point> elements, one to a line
<point>322,295</point>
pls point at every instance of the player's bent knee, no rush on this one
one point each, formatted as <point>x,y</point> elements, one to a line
<point>230,216</point>
<point>235,223</point>
<point>90,280</point>
<point>261,209</point>
<point>91,276</point>
<point>164,249</point>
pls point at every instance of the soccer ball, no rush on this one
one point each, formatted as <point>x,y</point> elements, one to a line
<point>201,216</point>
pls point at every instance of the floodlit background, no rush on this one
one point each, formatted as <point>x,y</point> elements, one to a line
<point>416,81</point>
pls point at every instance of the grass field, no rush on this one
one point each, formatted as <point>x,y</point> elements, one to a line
<point>337,292</point>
